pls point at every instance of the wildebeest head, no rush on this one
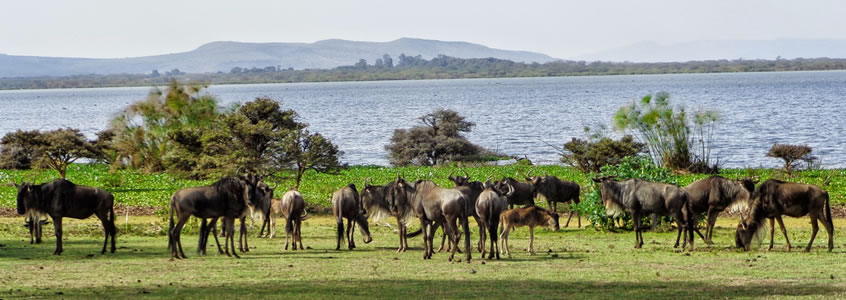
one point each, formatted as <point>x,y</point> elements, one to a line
<point>397,193</point>
<point>254,191</point>
<point>25,196</point>
<point>553,220</point>
<point>373,200</point>
<point>361,220</point>
<point>610,195</point>
<point>460,180</point>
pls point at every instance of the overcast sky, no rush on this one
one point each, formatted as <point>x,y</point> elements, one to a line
<point>94,28</point>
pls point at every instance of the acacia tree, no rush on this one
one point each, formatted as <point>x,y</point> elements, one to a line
<point>437,141</point>
<point>790,154</point>
<point>255,126</point>
<point>61,147</point>
<point>301,151</point>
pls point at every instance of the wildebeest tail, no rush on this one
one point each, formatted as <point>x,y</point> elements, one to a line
<point>289,224</point>
<point>415,233</point>
<point>828,210</point>
<point>170,225</point>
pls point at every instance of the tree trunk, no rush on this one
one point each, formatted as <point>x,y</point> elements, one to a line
<point>300,171</point>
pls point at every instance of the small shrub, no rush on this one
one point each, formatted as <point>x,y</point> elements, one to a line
<point>19,149</point>
<point>791,154</point>
<point>591,156</point>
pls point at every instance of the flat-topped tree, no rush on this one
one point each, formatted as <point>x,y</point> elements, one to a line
<point>790,154</point>
<point>61,147</point>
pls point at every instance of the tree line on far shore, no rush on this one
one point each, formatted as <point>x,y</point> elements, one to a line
<point>407,67</point>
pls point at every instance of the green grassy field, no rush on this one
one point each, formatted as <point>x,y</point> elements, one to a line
<point>571,263</point>
<point>137,189</point>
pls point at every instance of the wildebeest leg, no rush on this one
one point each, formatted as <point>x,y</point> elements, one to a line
<point>772,233</point>
<point>400,232</point>
<point>57,225</point>
<point>531,240</point>
<point>678,236</point>
<point>503,236</point>
<point>272,220</point>
<point>482,228</point>
<point>465,223</point>
<point>709,231</point>
<point>229,225</point>
<point>104,219</point>
<point>340,234</point>
<point>351,234</point>
<point>636,221</point>
<point>814,228</point>
<point>570,216</point>
<point>784,231</point>
<point>443,236</point>
<point>243,245</point>
<point>213,228</point>
<point>288,238</point>
<point>203,240</point>
<point>494,245</point>
<point>299,234</point>
<point>176,234</point>
<point>451,230</point>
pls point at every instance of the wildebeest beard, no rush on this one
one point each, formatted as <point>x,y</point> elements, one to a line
<point>609,192</point>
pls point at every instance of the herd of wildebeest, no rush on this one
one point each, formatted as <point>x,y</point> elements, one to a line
<point>487,202</point>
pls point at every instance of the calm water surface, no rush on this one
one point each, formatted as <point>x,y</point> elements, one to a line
<point>519,116</point>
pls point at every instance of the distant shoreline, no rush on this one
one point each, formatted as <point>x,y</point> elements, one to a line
<point>441,67</point>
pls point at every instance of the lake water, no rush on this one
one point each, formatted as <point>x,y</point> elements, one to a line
<point>517,116</point>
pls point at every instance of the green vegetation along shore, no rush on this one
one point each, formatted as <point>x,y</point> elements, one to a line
<point>132,188</point>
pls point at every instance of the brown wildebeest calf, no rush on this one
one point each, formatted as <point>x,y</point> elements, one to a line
<point>346,204</point>
<point>64,199</point>
<point>775,198</point>
<point>641,198</point>
<point>531,216</point>
<point>714,194</point>
<point>489,206</point>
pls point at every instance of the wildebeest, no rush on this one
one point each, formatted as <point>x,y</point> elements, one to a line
<point>373,198</point>
<point>293,208</point>
<point>262,193</point>
<point>471,189</point>
<point>558,191</point>
<point>714,194</point>
<point>641,198</point>
<point>432,204</point>
<point>347,204</point>
<point>531,216</point>
<point>523,193</point>
<point>62,198</point>
<point>488,207</point>
<point>775,198</point>
<point>228,198</point>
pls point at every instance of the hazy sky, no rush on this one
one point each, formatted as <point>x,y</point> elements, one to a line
<point>100,28</point>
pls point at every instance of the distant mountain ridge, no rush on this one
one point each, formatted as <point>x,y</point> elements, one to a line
<point>648,51</point>
<point>223,56</point>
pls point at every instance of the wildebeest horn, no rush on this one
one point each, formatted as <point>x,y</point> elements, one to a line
<point>465,173</point>
<point>450,174</point>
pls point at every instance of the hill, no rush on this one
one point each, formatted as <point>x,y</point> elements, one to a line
<point>223,56</point>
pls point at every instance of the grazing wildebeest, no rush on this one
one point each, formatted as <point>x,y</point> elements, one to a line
<point>228,198</point>
<point>558,191</point>
<point>489,206</point>
<point>531,216</point>
<point>714,194</point>
<point>346,204</point>
<point>641,198</point>
<point>432,204</point>
<point>523,193</point>
<point>374,200</point>
<point>775,198</point>
<point>293,208</point>
<point>62,198</point>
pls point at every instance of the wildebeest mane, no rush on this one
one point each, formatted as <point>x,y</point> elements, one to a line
<point>379,208</point>
<point>232,188</point>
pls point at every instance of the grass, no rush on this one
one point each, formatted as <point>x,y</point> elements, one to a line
<point>571,263</point>
<point>136,189</point>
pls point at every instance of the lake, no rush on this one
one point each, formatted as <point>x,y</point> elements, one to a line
<point>518,116</point>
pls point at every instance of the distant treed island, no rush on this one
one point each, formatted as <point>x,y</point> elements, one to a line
<point>407,67</point>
